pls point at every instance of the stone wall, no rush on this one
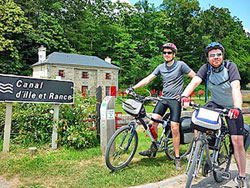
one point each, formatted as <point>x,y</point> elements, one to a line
<point>96,76</point>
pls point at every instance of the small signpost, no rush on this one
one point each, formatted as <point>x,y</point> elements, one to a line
<point>26,89</point>
<point>107,127</point>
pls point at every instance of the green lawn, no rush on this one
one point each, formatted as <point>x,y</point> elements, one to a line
<point>82,168</point>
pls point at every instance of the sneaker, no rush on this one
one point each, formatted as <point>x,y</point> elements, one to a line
<point>178,165</point>
<point>240,181</point>
<point>151,152</point>
<point>147,153</point>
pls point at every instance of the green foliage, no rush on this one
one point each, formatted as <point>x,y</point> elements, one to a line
<point>13,27</point>
<point>131,35</point>
<point>143,92</point>
<point>33,123</point>
<point>73,131</point>
<point>2,116</point>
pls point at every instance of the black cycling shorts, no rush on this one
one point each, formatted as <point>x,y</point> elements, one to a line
<point>173,105</point>
<point>235,126</point>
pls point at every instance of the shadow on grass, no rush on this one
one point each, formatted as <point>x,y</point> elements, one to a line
<point>154,162</point>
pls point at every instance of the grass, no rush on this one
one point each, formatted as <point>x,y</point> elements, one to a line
<point>66,168</point>
<point>82,168</point>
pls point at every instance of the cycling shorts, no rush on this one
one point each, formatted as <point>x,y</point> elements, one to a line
<point>235,126</point>
<point>173,105</point>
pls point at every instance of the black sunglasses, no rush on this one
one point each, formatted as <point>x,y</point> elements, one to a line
<point>167,53</point>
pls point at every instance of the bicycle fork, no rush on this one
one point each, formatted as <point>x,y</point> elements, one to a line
<point>130,139</point>
<point>200,156</point>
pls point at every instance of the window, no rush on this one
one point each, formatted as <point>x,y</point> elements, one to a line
<point>85,75</point>
<point>107,92</point>
<point>84,90</point>
<point>61,73</point>
<point>108,76</point>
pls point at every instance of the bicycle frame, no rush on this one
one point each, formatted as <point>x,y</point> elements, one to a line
<point>204,148</point>
<point>130,139</point>
<point>211,160</point>
<point>133,123</point>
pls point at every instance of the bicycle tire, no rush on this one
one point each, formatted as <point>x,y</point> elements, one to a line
<point>112,158</point>
<point>223,160</point>
<point>193,164</point>
<point>184,149</point>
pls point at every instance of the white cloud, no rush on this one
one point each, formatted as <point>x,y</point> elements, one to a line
<point>246,30</point>
<point>122,1</point>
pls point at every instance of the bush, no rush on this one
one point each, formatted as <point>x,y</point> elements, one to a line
<point>143,92</point>
<point>73,131</point>
<point>33,123</point>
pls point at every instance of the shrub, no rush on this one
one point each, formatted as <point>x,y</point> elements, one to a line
<point>73,131</point>
<point>143,92</point>
<point>33,123</point>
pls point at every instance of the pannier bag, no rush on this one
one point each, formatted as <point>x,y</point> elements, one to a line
<point>186,131</point>
<point>206,120</point>
<point>134,108</point>
<point>246,136</point>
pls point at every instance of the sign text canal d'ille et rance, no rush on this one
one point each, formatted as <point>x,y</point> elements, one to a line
<point>26,89</point>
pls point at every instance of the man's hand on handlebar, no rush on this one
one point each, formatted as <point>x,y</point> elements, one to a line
<point>185,101</point>
<point>234,113</point>
<point>130,90</point>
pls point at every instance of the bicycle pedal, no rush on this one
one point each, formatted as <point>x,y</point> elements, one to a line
<point>226,175</point>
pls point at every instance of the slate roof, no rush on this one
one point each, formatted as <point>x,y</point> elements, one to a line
<point>75,59</point>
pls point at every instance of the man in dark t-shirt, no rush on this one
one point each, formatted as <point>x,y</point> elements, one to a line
<point>172,73</point>
<point>223,80</point>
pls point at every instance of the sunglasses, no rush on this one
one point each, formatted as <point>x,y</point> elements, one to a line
<point>217,55</point>
<point>169,53</point>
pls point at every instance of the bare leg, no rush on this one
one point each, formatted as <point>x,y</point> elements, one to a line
<point>155,124</point>
<point>176,137</point>
<point>239,154</point>
<point>152,152</point>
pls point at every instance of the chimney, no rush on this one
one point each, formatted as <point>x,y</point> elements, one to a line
<point>41,54</point>
<point>108,59</point>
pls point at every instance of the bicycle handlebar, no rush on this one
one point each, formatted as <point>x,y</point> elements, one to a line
<point>223,112</point>
<point>142,98</point>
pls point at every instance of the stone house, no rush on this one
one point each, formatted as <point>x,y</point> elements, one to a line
<point>87,72</point>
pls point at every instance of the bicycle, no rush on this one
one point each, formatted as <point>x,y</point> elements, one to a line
<point>215,139</point>
<point>123,143</point>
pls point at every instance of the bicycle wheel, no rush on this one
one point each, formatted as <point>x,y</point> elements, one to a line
<point>184,149</point>
<point>190,173</point>
<point>223,161</point>
<point>121,148</point>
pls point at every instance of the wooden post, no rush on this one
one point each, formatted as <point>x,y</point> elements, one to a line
<point>98,107</point>
<point>54,133</point>
<point>7,127</point>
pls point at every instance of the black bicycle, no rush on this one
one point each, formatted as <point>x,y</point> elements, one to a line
<point>215,141</point>
<point>123,143</point>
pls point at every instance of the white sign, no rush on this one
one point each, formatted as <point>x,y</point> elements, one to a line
<point>110,114</point>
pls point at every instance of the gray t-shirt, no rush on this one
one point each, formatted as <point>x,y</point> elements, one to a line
<point>172,78</point>
<point>220,83</point>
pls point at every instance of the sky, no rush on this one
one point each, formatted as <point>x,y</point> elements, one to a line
<point>238,8</point>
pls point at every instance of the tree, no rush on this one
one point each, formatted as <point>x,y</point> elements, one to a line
<point>13,26</point>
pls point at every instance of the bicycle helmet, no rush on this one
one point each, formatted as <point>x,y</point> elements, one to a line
<point>214,45</point>
<point>170,46</point>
